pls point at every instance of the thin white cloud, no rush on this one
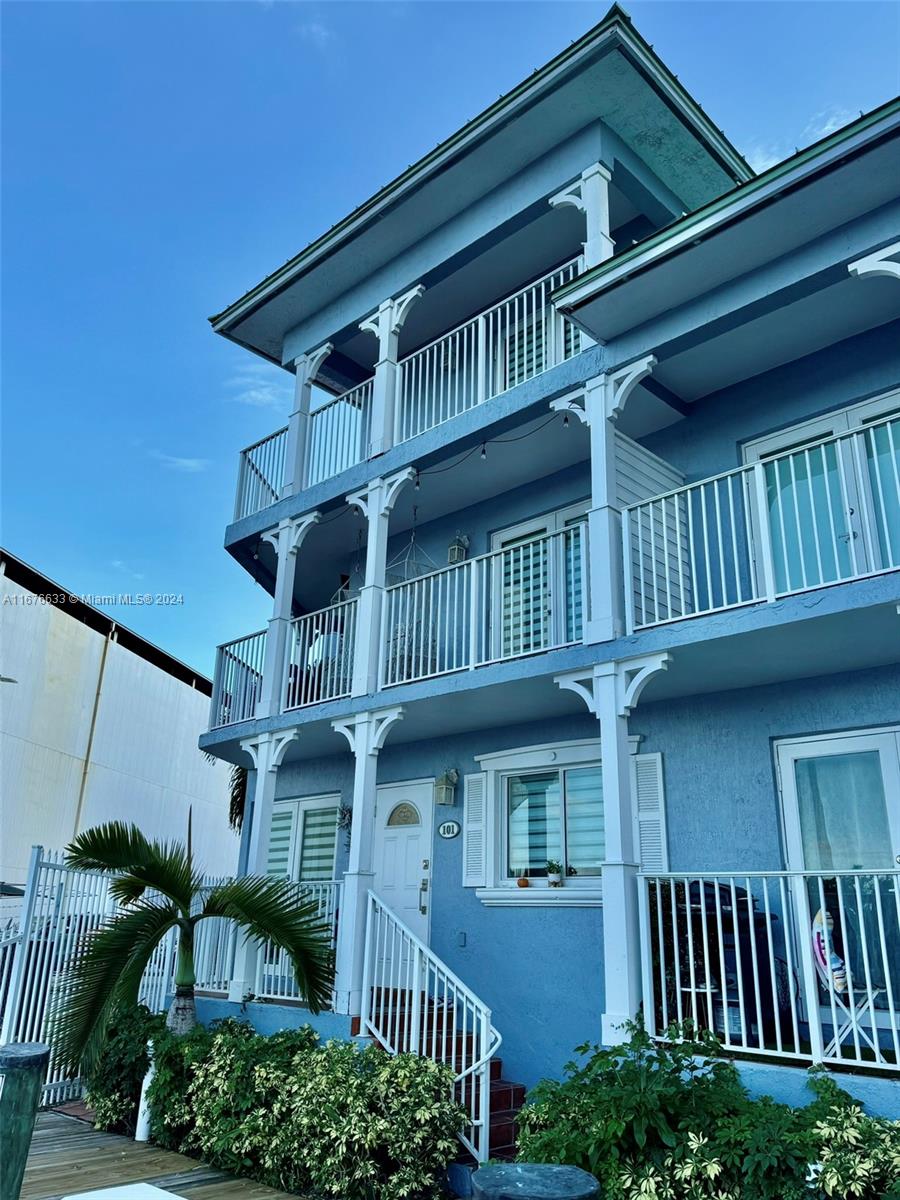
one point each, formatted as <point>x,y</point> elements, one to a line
<point>827,121</point>
<point>119,564</point>
<point>761,155</point>
<point>187,466</point>
<point>315,32</point>
<point>260,386</point>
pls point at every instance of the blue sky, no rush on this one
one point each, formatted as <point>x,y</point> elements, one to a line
<point>160,158</point>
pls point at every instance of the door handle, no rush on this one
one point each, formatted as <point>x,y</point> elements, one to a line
<point>423,888</point>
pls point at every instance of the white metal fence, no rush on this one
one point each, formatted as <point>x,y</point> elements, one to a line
<point>237,682</point>
<point>523,599</point>
<point>61,908</point>
<point>514,340</point>
<point>261,474</point>
<point>413,1003</point>
<point>823,513</point>
<point>319,659</point>
<point>274,975</point>
<point>802,965</point>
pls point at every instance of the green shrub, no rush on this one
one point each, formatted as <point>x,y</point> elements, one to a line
<point>668,1122</point>
<point>334,1119</point>
<point>113,1083</point>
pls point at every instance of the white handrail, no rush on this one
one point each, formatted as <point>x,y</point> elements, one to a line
<point>413,1003</point>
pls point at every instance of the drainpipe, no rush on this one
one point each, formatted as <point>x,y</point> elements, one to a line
<point>110,637</point>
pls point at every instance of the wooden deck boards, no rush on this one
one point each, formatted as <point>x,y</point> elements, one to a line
<point>69,1156</point>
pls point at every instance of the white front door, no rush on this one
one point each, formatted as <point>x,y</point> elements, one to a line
<point>403,827</point>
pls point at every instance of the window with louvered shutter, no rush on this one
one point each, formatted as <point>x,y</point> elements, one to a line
<point>281,840</point>
<point>317,844</point>
<point>474,830</point>
<point>650,812</point>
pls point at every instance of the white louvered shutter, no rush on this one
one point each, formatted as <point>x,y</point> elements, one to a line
<point>475,830</point>
<point>281,840</point>
<point>650,809</point>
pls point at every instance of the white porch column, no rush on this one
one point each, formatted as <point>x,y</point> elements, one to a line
<point>610,691</point>
<point>375,503</point>
<point>267,751</point>
<point>604,398</point>
<point>366,734</point>
<point>287,540</point>
<point>386,323</point>
<point>306,367</point>
<point>590,195</point>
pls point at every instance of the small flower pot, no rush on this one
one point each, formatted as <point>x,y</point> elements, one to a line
<point>554,878</point>
<point>522,882</point>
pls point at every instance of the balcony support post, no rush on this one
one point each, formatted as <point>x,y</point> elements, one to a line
<point>366,734</point>
<point>286,540</point>
<point>375,503</point>
<point>385,323</point>
<point>590,195</point>
<point>604,398</point>
<point>267,753</point>
<point>611,690</point>
<point>296,454</point>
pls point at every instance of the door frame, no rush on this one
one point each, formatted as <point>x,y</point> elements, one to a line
<point>382,788</point>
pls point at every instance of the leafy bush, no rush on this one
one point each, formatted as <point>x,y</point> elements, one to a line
<point>333,1119</point>
<point>113,1082</point>
<point>659,1122</point>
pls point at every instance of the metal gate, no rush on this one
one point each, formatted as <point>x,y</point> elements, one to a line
<point>61,906</point>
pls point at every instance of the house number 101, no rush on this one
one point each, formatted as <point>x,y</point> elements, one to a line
<point>449,829</point>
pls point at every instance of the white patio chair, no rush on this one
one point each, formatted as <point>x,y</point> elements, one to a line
<point>853,1004</point>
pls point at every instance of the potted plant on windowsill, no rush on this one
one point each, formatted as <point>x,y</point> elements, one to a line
<point>554,873</point>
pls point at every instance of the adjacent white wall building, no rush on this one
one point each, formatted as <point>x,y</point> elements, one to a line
<point>97,724</point>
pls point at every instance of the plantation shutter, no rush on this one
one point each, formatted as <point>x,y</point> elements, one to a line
<point>650,808</point>
<point>475,830</point>
<point>317,843</point>
<point>525,579</point>
<point>281,840</point>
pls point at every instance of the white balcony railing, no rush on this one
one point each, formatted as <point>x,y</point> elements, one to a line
<point>515,340</point>
<point>824,513</point>
<point>319,661</point>
<point>520,600</point>
<point>274,974</point>
<point>237,684</point>
<point>339,434</point>
<point>261,474</point>
<point>802,965</point>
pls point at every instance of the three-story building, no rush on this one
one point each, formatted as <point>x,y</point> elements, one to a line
<point>581,691</point>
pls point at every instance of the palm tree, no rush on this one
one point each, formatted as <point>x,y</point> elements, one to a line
<point>159,889</point>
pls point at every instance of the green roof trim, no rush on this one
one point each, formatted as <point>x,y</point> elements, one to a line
<point>617,21</point>
<point>722,203</point>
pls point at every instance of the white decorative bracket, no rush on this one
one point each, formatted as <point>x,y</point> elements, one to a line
<point>573,403</point>
<point>885,261</point>
<point>383,492</point>
<point>293,531</point>
<point>307,365</point>
<point>268,749</point>
<point>590,195</point>
<point>367,732</point>
<point>631,675</point>
<point>620,384</point>
<point>387,320</point>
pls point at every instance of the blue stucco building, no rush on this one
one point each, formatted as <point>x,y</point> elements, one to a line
<point>581,691</point>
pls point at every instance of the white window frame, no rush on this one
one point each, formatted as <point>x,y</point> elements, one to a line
<point>303,805</point>
<point>500,891</point>
<point>838,742</point>
<point>841,420</point>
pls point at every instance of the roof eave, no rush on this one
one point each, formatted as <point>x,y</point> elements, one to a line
<point>711,217</point>
<point>616,25</point>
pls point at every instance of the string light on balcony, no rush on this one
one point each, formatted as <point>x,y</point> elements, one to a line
<point>484,450</point>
